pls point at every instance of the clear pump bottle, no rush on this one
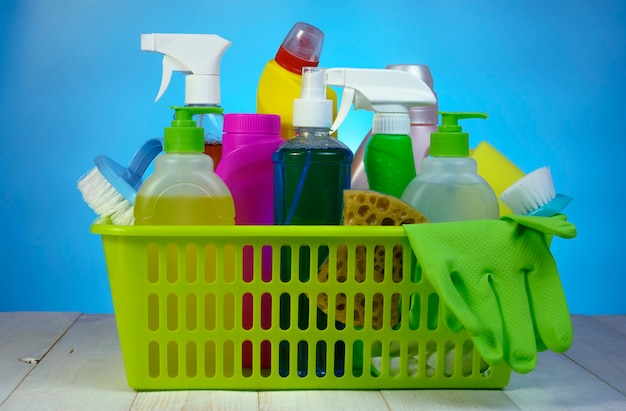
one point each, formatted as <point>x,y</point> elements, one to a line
<point>448,187</point>
<point>183,189</point>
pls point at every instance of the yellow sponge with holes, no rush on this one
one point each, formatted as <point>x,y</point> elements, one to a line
<point>368,207</point>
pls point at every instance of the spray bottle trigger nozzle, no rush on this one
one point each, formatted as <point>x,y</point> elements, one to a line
<point>347,96</point>
<point>170,65</point>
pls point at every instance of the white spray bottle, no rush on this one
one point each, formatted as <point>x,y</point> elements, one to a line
<point>198,56</point>
<point>423,122</point>
<point>389,93</point>
<point>184,189</point>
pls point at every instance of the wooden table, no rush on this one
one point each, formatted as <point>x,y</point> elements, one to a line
<point>69,361</point>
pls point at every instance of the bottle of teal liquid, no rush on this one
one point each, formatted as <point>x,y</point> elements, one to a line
<point>448,187</point>
<point>311,171</point>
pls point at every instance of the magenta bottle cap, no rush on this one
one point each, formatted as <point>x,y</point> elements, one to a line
<point>252,123</point>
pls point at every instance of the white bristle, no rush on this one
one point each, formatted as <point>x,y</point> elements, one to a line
<point>104,199</point>
<point>530,192</point>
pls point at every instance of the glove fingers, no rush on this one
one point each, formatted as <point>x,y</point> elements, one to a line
<point>556,225</point>
<point>484,302</point>
<point>520,346</point>
<point>549,306</point>
<point>451,321</point>
<point>457,313</point>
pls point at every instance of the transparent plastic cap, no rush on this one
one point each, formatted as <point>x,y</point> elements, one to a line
<point>301,48</point>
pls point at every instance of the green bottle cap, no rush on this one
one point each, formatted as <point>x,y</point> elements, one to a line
<point>449,140</point>
<point>184,136</point>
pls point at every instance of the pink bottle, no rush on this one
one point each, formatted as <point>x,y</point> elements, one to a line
<point>246,165</point>
<point>248,170</point>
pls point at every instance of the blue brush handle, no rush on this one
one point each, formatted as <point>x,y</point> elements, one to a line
<point>552,207</point>
<point>144,156</point>
<point>127,180</point>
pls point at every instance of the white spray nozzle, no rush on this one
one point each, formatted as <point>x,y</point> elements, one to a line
<point>312,109</point>
<point>378,90</point>
<point>198,55</point>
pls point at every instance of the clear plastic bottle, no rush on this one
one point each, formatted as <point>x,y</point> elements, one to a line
<point>312,169</point>
<point>311,172</point>
<point>448,187</point>
<point>184,189</point>
<point>213,125</point>
<point>281,80</point>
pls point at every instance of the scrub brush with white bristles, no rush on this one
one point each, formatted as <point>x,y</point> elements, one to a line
<point>534,194</point>
<point>110,189</point>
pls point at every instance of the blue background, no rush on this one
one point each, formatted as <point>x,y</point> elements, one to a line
<point>75,84</point>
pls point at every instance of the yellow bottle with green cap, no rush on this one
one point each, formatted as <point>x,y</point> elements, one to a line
<point>448,187</point>
<point>184,189</point>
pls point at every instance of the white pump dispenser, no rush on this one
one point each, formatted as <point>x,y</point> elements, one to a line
<point>389,93</point>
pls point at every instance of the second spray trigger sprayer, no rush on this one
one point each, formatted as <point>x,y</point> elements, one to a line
<point>389,163</point>
<point>199,56</point>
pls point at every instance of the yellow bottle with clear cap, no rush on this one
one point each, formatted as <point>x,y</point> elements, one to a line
<point>281,80</point>
<point>448,187</point>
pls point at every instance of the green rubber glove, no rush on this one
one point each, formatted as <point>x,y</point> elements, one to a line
<point>499,281</point>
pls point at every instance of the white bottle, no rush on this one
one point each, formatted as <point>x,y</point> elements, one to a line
<point>448,187</point>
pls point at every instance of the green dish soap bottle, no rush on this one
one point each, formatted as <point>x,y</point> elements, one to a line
<point>184,189</point>
<point>448,187</point>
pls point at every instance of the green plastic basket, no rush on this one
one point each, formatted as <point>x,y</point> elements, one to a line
<point>179,294</point>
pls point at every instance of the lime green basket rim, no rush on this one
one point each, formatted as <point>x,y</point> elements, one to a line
<point>104,227</point>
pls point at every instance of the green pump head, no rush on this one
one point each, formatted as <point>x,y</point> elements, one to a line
<point>449,140</point>
<point>184,136</point>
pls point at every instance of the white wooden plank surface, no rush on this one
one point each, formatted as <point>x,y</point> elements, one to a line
<point>197,401</point>
<point>557,383</point>
<point>448,400</point>
<point>27,336</point>
<point>83,371</point>
<point>599,349</point>
<point>617,322</point>
<point>322,400</point>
